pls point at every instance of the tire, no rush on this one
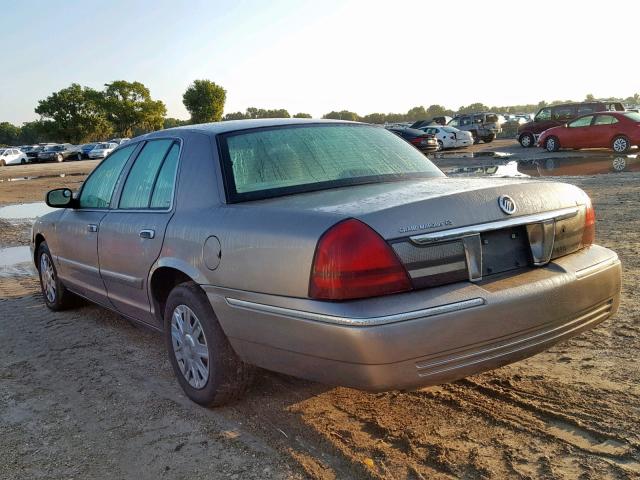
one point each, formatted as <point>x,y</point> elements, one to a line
<point>55,295</point>
<point>620,144</point>
<point>23,162</point>
<point>526,140</point>
<point>552,144</point>
<point>60,158</point>
<point>476,140</point>
<point>79,157</point>
<point>440,145</point>
<point>220,378</point>
<point>488,138</point>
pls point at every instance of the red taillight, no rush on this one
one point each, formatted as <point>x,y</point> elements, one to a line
<point>353,261</point>
<point>589,232</point>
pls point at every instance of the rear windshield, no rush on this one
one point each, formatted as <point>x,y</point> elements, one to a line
<point>279,161</point>
<point>491,118</point>
<point>635,116</point>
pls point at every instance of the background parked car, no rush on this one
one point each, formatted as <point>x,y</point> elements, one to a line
<point>419,139</point>
<point>615,130</point>
<point>483,126</point>
<point>101,150</point>
<point>86,148</point>
<point>449,137</point>
<point>556,115</point>
<point>59,153</point>
<point>12,156</point>
<point>434,121</point>
<point>118,141</point>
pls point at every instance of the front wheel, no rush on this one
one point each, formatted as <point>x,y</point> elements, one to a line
<point>552,144</point>
<point>621,144</point>
<point>207,368</point>
<point>440,145</point>
<point>56,296</point>
<point>60,158</point>
<point>488,138</point>
<point>526,140</point>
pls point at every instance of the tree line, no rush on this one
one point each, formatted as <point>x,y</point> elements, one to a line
<point>78,114</point>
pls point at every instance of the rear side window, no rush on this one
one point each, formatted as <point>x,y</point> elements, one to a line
<point>564,113</point>
<point>98,189</point>
<point>163,191</point>
<point>492,119</point>
<point>605,120</point>
<point>137,189</point>
<point>584,109</point>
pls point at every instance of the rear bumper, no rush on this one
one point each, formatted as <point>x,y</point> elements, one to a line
<point>425,337</point>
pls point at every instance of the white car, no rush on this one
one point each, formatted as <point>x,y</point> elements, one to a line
<point>101,150</point>
<point>449,137</point>
<point>12,156</point>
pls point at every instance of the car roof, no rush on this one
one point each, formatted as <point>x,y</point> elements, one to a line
<point>217,128</point>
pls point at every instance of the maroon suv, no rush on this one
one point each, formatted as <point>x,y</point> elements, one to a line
<point>556,115</point>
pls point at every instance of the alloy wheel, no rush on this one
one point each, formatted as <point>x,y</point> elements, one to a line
<point>190,346</point>
<point>619,164</point>
<point>620,145</point>
<point>48,276</point>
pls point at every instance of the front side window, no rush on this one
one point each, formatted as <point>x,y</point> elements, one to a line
<point>454,123</point>
<point>543,115</point>
<point>605,120</point>
<point>98,189</point>
<point>142,176</point>
<point>294,159</point>
<point>582,122</point>
<point>465,121</point>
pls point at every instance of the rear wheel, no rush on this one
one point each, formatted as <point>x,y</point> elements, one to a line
<point>526,140</point>
<point>79,156</point>
<point>56,296</point>
<point>23,161</point>
<point>207,368</point>
<point>620,144</point>
<point>488,138</point>
<point>60,158</point>
<point>552,144</point>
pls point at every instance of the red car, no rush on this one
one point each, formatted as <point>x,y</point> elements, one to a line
<point>615,130</point>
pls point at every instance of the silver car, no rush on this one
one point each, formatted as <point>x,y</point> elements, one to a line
<point>333,251</point>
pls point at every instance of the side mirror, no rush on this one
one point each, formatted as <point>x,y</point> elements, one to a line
<point>60,198</point>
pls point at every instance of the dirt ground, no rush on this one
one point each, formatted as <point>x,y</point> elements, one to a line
<point>85,394</point>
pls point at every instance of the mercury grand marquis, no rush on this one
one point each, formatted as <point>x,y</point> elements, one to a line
<point>332,251</point>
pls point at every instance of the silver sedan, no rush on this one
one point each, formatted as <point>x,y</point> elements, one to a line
<point>333,251</point>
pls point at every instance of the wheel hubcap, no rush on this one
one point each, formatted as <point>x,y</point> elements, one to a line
<point>190,346</point>
<point>526,140</point>
<point>619,164</point>
<point>551,144</point>
<point>48,276</point>
<point>620,145</point>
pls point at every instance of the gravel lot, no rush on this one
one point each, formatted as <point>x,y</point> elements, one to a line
<point>85,394</point>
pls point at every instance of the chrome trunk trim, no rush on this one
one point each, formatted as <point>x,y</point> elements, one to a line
<point>356,321</point>
<point>455,233</point>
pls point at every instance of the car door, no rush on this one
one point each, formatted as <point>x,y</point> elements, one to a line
<point>76,244</point>
<point>131,235</point>
<point>603,130</point>
<point>577,133</point>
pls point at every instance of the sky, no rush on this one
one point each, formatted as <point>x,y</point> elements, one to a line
<point>318,56</point>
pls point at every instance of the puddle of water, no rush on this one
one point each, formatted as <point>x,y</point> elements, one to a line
<point>458,154</point>
<point>61,175</point>
<point>541,167</point>
<point>24,211</point>
<point>16,261</point>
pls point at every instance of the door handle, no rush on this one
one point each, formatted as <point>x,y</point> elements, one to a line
<point>147,234</point>
<point>92,228</point>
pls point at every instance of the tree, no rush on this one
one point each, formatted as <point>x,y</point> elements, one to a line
<point>377,118</point>
<point>205,101</point>
<point>342,115</point>
<point>128,106</point>
<point>589,98</point>
<point>9,133</point>
<point>235,116</point>
<point>474,108</point>
<point>416,113</point>
<point>174,122</point>
<point>302,115</point>
<point>75,114</point>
